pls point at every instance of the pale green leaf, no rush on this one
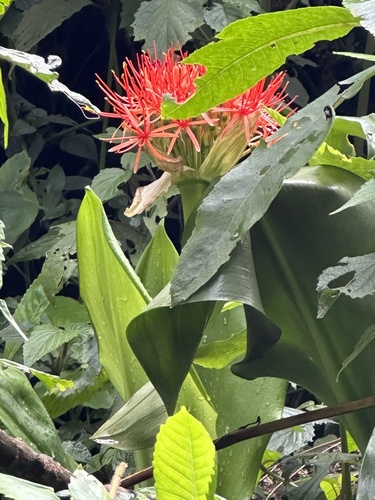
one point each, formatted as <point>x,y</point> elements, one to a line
<point>221,353</point>
<point>17,212</point>
<point>44,339</point>
<point>19,489</point>
<point>367,337</point>
<point>184,459</point>
<point>357,274</point>
<point>136,424</point>
<point>66,311</point>
<point>326,155</point>
<point>83,486</point>
<point>222,14</point>
<point>111,292</point>
<point>3,111</point>
<point>365,10</point>
<point>167,22</point>
<point>105,183</point>
<point>365,194</point>
<point>365,57</point>
<point>24,415</point>
<point>242,196</point>
<point>32,305</point>
<point>157,262</point>
<point>53,12</point>
<point>252,48</point>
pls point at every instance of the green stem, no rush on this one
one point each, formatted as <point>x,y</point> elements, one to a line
<point>191,196</point>
<point>346,487</point>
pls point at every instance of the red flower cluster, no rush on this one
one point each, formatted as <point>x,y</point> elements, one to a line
<point>178,144</point>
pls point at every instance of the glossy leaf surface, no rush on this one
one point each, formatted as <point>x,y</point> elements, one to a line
<point>292,244</point>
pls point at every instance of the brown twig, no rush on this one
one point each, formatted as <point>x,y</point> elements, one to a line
<point>268,428</point>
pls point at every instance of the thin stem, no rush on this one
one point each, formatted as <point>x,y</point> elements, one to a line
<point>116,479</point>
<point>346,488</point>
<point>268,428</point>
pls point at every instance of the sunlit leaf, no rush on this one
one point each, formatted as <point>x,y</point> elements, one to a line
<point>3,111</point>
<point>184,459</point>
<point>83,486</point>
<point>252,48</point>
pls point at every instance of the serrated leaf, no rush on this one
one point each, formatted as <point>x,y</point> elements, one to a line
<point>367,337</point>
<point>19,489</point>
<point>310,490</point>
<point>365,10</point>
<point>83,486</point>
<point>167,22</point>
<point>184,459</point>
<point>44,339</point>
<point>365,194</point>
<point>66,311</point>
<point>242,196</point>
<point>136,424</point>
<point>53,12</point>
<point>360,281</point>
<point>220,15</point>
<point>24,415</point>
<point>3,111</point>
<point>251,49</point>
<point>105,183</point>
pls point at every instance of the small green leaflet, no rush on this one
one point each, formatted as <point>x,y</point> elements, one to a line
<point>367,336</point>
<point>365,194</point>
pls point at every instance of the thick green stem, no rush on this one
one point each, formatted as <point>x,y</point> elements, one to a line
<point>192,194</point>
<point>346,488</point>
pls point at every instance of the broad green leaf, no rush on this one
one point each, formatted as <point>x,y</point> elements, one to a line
<point>44,339</point>
<point>15,172</point>
<point>184,459</point>
<point>331,487</point>
<point>366,481</point>
<point>83,486</point>
<point>165,22</point>
<point>57,403</point>
<point>357,275</point>
<point>221,353</point>
<point>32,305</point>
<point>365,194</point>
<point>367,337</point>
<point>239,402</point>
<point>66,311</point>
<point>242,196</point>
<point>112,294</point>
<point>327,155</point>
<point>30,31</point>
<point>19,489</point>
<point>128,10</point>
<point>157,262</point>
<point>3,111</point>
<point>290,249</point>
<point>105,183</point>
<point>251,49</point>
<point>24,415</point>
<point>136,424</point>
<point>17,212</point>
<point>365,10</point>
<point>222,14</point>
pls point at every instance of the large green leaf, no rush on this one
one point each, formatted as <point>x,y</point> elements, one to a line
<point>252,48</point>
<point>365,10</point>
<point>112,294</point>
<point>83,486</point>
<point>366,482</point>
<point>167,22</point>
<point>184,459</point>
<point>24,415</point>
<point>292,244</point>
<point>238,402</point>
<point>242,196</point>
